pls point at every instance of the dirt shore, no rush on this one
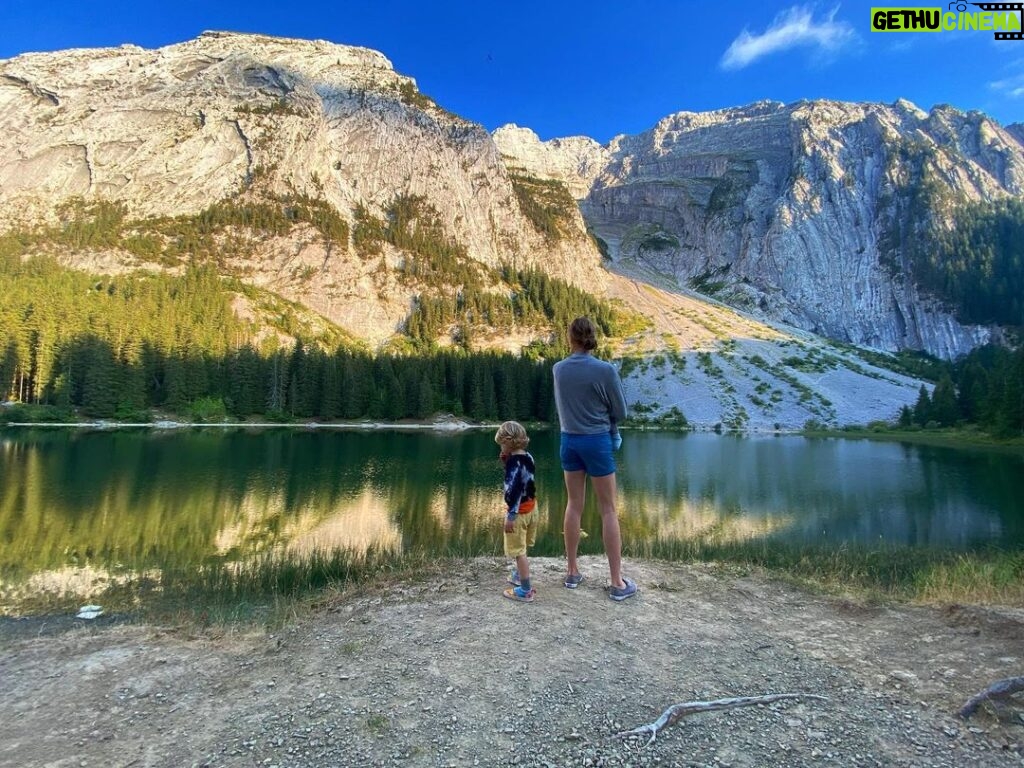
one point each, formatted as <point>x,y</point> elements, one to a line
<point>448,673</point>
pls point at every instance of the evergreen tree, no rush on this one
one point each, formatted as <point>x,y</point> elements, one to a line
<point>356,379</point>
<point>906,417</point>
<point>425,402</point>
<point>923,407</point>
<point>330,404</point>
<point>944,408</point>
<point>100,386</point>
<point>277,383</point>
<point>9,365</point>
<point>1010,416</point>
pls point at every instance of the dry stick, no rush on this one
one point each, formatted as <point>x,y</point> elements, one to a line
<point>1001,689</point>
<point>678,711</point>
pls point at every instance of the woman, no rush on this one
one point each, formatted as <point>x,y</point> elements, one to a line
<point>590,402</point>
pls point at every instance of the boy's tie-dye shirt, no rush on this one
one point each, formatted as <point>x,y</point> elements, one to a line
<point>520,488</point>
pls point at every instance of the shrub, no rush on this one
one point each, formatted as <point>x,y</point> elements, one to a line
<point>208,409</point>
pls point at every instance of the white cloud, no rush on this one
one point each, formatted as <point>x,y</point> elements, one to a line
<point>793,28</point>
<point>1010,86</point>
<point>1013,84</point>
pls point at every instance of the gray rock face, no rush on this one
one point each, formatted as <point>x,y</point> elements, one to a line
<point>785,210</point>
<point>575,161</point>
<point>169,131</point>
<point>1017,131</point>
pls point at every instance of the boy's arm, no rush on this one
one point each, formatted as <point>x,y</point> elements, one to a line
<point>514,487</point>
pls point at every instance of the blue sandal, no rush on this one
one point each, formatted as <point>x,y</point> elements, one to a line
<point>573,580</point>
<point>519,594</point>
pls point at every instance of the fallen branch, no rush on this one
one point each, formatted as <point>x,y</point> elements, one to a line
<point>1001,689</point>
<point>678,711</point>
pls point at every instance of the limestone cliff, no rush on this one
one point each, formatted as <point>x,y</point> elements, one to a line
<point>789,210</point>
<point>575,161</point>
<point>225,116</point>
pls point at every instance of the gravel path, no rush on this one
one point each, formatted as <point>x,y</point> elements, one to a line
<point>450,674</point>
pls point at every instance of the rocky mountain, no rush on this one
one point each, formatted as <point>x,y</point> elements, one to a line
<point>203,147</point>
<point>1017,131</point>
<point>575,161</point>
<point>796,212</point>
<point>167,132</point>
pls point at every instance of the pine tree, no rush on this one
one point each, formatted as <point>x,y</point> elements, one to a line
<point>906,417</point>
<point>944,406</point>
<point>99,390</point>
<point>425,404</point>
<point>923,407</point>
<point>330,403</point>
<point>356,379</point>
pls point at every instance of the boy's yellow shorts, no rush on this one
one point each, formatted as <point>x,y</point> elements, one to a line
<point>524,534</point>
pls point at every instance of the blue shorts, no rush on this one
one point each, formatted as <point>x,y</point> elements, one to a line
<point>590,453</point>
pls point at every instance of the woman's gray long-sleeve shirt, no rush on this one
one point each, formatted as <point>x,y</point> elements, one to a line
<point>588,395</point>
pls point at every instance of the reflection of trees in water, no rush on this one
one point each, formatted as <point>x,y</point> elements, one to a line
<point>76,497</point>
<point>146,499</point>
<point>819,490</point>
<point>154,499</point>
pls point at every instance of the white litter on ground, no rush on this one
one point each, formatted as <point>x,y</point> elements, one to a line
<point>89,612</point>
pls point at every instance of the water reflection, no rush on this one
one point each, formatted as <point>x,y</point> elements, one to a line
<point>829,490</point>
<point>135,500</point>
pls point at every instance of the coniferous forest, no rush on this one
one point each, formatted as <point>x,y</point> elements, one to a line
<point>118,347</point>
<point>985,388</point>
<point>977,265</point>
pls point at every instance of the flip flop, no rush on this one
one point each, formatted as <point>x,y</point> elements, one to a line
<point>519,594</point>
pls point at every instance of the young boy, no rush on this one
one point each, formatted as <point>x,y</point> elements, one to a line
<point>520,501</point>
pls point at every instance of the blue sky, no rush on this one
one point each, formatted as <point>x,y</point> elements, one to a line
<point>594,68</point>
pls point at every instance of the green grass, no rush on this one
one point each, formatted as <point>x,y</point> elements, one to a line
<point>914,574</point>
<point>264,590</point>
<point>272,591</point>
<point>35,414</point>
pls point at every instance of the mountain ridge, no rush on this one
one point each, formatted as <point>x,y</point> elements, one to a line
<point>253,124</point>
<point>783,203</point>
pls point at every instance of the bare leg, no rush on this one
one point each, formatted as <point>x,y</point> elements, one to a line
<point>523,566</point>
<point>605,489</point>
<point>576,486</point>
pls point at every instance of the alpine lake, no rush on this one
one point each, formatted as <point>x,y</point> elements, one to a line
<point>81,508</point>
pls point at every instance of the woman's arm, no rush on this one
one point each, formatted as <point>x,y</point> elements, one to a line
<point>616,399</point>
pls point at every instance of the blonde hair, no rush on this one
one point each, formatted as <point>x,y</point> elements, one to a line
<point>512,434</point>
<point>583,334</point>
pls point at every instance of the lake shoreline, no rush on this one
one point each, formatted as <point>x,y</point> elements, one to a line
<point>454,425</point>
<point>953,437</point>
<point>267,589</point>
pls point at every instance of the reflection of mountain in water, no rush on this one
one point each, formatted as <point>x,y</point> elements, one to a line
<point>355,524</point>
<point>141,499</point>
<point>138,500</point>
<point>828,490</point>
